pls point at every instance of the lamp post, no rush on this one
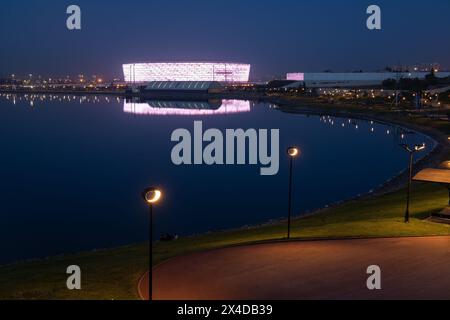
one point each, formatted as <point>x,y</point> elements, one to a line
<point>151,196</point>
<point>411,152</point>
<point>292,153</point>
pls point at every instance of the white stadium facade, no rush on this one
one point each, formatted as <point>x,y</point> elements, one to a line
<point>186,71</point>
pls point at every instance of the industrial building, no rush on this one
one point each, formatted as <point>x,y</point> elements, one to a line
<point>355,79</point>
<point>137,73</point>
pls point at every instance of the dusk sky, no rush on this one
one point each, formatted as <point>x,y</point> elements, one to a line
<point>274,36</point>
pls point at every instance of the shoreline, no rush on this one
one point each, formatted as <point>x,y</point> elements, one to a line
<point>395,183</point>
<point>433,158</point>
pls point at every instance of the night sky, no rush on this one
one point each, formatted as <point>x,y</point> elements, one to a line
<point>274,36</point>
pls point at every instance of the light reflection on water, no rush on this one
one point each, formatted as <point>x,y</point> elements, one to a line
<point>186,108</point>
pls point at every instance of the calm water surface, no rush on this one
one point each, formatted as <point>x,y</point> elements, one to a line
<point>72,170</point>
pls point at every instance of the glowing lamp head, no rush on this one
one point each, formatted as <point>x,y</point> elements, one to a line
<point>419,147</point>
<point>445,165</point>
<point>293,151</point>
<point>152,195</point>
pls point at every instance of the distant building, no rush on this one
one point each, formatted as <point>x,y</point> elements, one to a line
<point>356,79</point>
<point>186,71</point>
<point>296,76</point>
<point>421,67</point>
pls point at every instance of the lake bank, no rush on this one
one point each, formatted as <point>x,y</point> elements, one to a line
<point>437,130</point>
<point>114,273</point>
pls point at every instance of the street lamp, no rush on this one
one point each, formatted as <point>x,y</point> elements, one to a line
<point>411,151</point>
<point>292,153</point>
<point>151,196</point>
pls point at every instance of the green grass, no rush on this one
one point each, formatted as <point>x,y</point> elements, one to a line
<point>113,273</point>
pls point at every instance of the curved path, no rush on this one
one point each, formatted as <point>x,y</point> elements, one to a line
<point>412,268</point>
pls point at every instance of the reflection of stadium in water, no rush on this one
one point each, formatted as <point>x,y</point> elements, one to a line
<point>165,107</point>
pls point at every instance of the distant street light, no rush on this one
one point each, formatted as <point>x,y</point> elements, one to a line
<point>411,152</point>
<point>292,152</point>
<point>151,196</point>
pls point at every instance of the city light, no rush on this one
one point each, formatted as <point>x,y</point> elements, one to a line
<point>411,151</point>
<point>153,196</point>
<point>293,151</point>
<point>419,147</point>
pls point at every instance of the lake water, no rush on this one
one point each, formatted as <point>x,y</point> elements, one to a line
<point>73,169</point>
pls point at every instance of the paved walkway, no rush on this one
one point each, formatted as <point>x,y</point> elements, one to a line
<point>412,268</point>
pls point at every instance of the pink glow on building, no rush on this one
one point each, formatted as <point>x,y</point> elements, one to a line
<point>227,107</point>
<point>186,71</point>
<point>297,76</point>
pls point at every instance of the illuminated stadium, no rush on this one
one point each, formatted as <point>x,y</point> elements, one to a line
<point>186,71</point>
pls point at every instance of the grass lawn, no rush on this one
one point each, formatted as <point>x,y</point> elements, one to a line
<point>113,273</point>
